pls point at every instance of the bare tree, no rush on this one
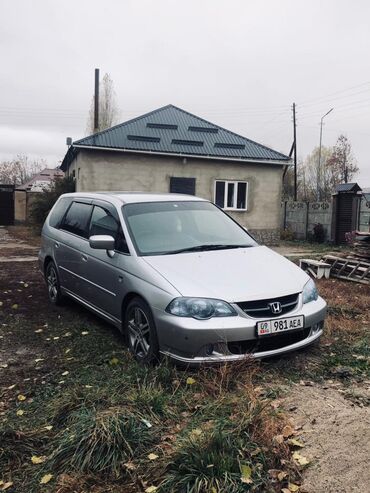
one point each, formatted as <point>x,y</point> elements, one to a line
<point>308,176</point>
<point>20,169</point>
<point>108,109</point>
<point>342,162</point>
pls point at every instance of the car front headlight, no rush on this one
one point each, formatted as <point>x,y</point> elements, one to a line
<point>200,308</point>
<point>310,292</point>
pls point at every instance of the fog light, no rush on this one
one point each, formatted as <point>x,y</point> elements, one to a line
<point>316,328</point>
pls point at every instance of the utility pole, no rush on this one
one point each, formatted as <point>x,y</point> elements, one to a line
<point>318,174</point>
<point>295,152</point>
<point>96,102</point>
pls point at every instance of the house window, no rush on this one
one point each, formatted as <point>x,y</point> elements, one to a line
<point>182,185</point>
<point>231,194</point>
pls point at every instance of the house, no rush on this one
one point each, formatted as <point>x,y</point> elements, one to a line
<point>24,194</point>
<point>171,150</point>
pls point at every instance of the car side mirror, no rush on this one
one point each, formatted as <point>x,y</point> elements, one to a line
<point>102,242</point>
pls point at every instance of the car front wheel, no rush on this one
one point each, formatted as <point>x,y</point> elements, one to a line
<point>141,332</point>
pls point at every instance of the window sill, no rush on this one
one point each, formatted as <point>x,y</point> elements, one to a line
<point>234,210</point>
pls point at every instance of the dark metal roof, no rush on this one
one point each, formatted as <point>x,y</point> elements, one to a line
<point>347,187</point>
<point>171,130</point>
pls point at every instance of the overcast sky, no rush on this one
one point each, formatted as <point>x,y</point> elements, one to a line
<point>237,63</point>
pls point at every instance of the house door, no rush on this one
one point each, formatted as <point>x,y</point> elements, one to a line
<point>6,205</point>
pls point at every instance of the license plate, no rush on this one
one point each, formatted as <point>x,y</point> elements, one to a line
<point>280,325</point>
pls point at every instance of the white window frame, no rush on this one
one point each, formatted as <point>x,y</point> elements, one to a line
<point>235,182</point>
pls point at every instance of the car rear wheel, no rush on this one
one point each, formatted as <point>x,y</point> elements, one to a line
<point>53,285</point>
<point>141,332</point>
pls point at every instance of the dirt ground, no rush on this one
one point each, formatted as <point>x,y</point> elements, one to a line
<point>336,434</point>
<point>331,414</point>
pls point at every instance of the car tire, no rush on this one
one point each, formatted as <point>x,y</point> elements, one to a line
<point>53,284</point>
<point>140,332</point>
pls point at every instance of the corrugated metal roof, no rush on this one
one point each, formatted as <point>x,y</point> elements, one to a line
<point>347,187</point>
<point>175,131</point>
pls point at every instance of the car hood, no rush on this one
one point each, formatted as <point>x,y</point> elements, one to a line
<point>232,275</point>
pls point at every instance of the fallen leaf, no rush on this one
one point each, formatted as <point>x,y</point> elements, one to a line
<point>196,431</point>
<point>38,331</point>
<point>12,386</point>
<point>7,485</point>
<point>278,439</point>
<point>48,427</point>
<point>67,350</point>
<point>151,489</point>
<point>88,386</point>
<point>213,490</point>
<point>190,381</point>
<point>15,306</point>
<point>65,373</point>
<point>285,490</point>
<point>37,360</point>
<point>55,338</point>
<point>295,443</point>
<point>38,459</point>
<point>302,461</point>
<point>130,466</point>
<point>84,333</point>
<point>293,487</point>
<point>152,456</point>
<point>1,303</point>
<point>282,475</point>
<point>46,478</point>
<point>114,361</point>
<point>246,472</point>
<point>21,397</point>
<point>288,431</point>
<point>20,412</point>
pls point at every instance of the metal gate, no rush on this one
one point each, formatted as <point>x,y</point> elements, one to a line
<point>6,205</point>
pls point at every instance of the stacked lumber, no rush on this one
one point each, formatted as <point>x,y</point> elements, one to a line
<point>349,268</point>
<point>361,246</point>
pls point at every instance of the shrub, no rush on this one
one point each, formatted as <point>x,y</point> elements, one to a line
<point>287,234</point>
<point>45,200</point>
<point>318,233</point>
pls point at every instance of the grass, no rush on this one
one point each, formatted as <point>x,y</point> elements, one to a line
<point>104,424</point>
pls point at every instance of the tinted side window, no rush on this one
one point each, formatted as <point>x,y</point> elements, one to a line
<point>77,219</point>
<point>103,223</point>
<point>58,212</point>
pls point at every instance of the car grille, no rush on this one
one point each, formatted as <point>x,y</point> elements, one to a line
<point>268,343</point>
<point>261,308</point>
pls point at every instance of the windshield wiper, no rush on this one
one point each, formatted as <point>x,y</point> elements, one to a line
<point>205,247</point>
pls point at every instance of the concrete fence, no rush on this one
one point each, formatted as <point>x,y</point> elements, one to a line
<point>301,217</point>
<point>364,215</point>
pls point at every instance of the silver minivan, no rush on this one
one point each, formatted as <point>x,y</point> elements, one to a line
<point>178,276</point>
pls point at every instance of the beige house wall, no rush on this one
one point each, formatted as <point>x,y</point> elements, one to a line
<point>109,170</point>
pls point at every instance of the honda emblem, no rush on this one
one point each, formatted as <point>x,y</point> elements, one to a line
<point>275,307</point>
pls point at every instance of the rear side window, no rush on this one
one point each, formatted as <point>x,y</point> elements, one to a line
<point>58,212</point>
<point>77,219</point>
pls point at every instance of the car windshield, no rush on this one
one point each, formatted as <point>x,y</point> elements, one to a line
<point>164,228</point>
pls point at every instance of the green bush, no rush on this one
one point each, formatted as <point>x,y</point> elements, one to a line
<point>46,199</point>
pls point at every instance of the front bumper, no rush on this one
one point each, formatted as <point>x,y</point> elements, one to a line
<point>188,340</point>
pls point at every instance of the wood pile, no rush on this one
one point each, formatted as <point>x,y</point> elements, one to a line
<point>361,246</point>
<point>349,268</point>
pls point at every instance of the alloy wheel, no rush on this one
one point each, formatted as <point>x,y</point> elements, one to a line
<point>139,332</point>
<point>52,282</point>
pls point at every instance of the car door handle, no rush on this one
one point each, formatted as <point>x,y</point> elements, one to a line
<point>56,244</point>
<point>84,258</point>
